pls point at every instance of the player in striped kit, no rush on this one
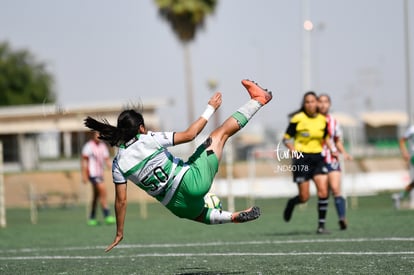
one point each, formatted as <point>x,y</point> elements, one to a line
<point>180,186</point>
<point>95,156</point>
<point>331,156</point>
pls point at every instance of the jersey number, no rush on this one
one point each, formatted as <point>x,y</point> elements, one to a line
<point>161,177</point>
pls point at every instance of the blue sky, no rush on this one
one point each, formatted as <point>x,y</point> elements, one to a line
<point>121,51</point>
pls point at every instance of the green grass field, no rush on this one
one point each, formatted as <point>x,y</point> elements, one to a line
<point>379,240</point>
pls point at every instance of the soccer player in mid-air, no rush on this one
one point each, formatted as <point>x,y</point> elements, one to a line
<point>180,186</point>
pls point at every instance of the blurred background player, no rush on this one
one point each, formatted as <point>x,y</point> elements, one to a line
<point>331,157</point>
<point>308,130</point>
<point>180,186</point>
<point>95,155</point>
<point>408,155</point>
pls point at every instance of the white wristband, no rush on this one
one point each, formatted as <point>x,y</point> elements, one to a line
<point>208,112</point>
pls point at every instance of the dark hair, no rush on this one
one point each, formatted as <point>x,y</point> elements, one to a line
<point>326,95</point>
<point>127,127</point>
<point>302,107</point>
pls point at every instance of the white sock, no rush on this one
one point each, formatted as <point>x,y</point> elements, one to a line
<point>250,108</point>
<point>219,216</point>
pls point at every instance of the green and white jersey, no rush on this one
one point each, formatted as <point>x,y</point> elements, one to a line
<point>146,162</point>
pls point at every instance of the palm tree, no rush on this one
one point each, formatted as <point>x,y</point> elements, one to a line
<point>185,18</point>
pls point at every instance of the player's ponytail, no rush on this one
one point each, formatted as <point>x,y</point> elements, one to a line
<point>128,124</point>
<point>106,131</point>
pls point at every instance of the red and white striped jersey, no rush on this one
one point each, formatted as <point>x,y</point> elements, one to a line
<point>334,133</point>
<point>96,153</point>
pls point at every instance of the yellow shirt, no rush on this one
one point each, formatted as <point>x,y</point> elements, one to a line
<point>308,132</point>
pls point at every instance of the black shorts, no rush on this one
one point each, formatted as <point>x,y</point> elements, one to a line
<point>307,166</point>
<point>334,166</point>
<point>96,180</point>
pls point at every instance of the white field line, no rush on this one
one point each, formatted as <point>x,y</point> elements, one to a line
<point>106,256</point>
<point>229,254</point>
<point>173,245</point>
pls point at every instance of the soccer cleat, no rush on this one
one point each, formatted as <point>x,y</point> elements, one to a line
<point>110,220</point>
<point>92,222</point>
<point>343,224</point>
<point>257,93</point>
<point>287,214</point>
<point>322,230</point>
<point>246,215</point>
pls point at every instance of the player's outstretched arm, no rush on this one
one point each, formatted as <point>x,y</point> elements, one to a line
<point>196,127</point>
<point>120,212</point>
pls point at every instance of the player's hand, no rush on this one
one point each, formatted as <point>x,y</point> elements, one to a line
<point>215,100</point>
<point>335,154</point>
<point>348,157</point>
<point>117,240</point>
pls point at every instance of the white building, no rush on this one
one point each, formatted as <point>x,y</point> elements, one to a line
<point>36,135</point>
